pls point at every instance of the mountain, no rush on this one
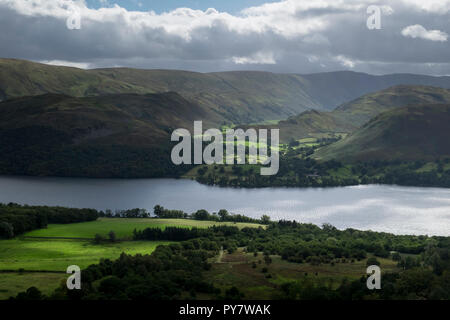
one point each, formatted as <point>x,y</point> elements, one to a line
<point>121,135</point>
<point>350,116</point>
<point>408,133</point>
<point>20,78</point>
<point>331,89</point>
<point>239,97</point>
<point>361,110</point>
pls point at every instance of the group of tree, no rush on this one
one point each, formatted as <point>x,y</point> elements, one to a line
<point>202,214</point>
<point>16,219</point>
<point>295,171</point>
<point>177,270</point>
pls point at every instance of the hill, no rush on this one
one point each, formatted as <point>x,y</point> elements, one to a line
<point>239,97</point>
<point>331,89</point>
<point>122,135</point>
<point>361,110</point>
<point>408,133</point>
<point>308,124</point>
<point>350,116</point>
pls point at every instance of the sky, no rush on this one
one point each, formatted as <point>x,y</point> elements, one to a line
<point>160,6</point>
<point>289,36</point>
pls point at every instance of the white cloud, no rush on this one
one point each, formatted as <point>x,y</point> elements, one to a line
<point>418,31</point>
<point>432,6</point>
<point>183,21</point>
<point>79,65</point>
<point>280,36</point>
<point>345,61</point>
<point>258,58</point>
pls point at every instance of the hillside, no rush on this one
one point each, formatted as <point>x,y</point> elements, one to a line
<point>104,136</point>
<point>408,133</point>
<point>361,110</point>
<point>310,123</point>
<point>352,115</point>
<point>331,89</point>
<point>239,97</point>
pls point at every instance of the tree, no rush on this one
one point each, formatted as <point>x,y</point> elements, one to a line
<point>158,210</point>
<point>112,236</point>
<point>32,293</point>
<point>223,214</point>
<point>98,238</point>
<point>233,294</point>
<point>201,215</point>
<point>265,219</point>
<point>6,230</point>
<point>372,261</point>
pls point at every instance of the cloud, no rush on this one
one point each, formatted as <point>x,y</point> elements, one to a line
<point>258,58</point>
<point>300,36</point>
<point>418,31</point>
<point>346,62</point>
<point>440,7</point>
<point>79,65</point>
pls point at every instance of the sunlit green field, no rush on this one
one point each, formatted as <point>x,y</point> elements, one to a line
<point>45,250</point>
<point>57,255</point>
<point>122,227</point>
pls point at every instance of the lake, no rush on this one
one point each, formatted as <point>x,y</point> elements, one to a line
<point>395,209</point>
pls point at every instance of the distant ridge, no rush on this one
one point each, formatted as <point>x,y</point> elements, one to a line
<point>239,97</point>
<point>349,116</point>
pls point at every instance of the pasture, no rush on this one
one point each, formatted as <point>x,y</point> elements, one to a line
<point>12,283</point>
<point>123,227</point>
<point>57,255</point>
<point>39,258</point>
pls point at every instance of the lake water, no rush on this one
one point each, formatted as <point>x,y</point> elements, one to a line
<point>400,210</point>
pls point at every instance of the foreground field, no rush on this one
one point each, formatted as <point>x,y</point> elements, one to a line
<point>46,250</point>
<point>122,227</point>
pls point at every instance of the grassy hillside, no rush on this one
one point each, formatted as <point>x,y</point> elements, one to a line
<point>349,116</point>
<point>363,109</point>
<point>310,124</point>
<point>24,78</point>
<point>239,97</point>
<point>408,133</point>
<point>331,89</point>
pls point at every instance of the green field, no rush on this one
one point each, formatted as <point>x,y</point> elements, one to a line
<point>12,283</point>
<point>57,255</point>
<point>44,250</point>
<point>123,227</point>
